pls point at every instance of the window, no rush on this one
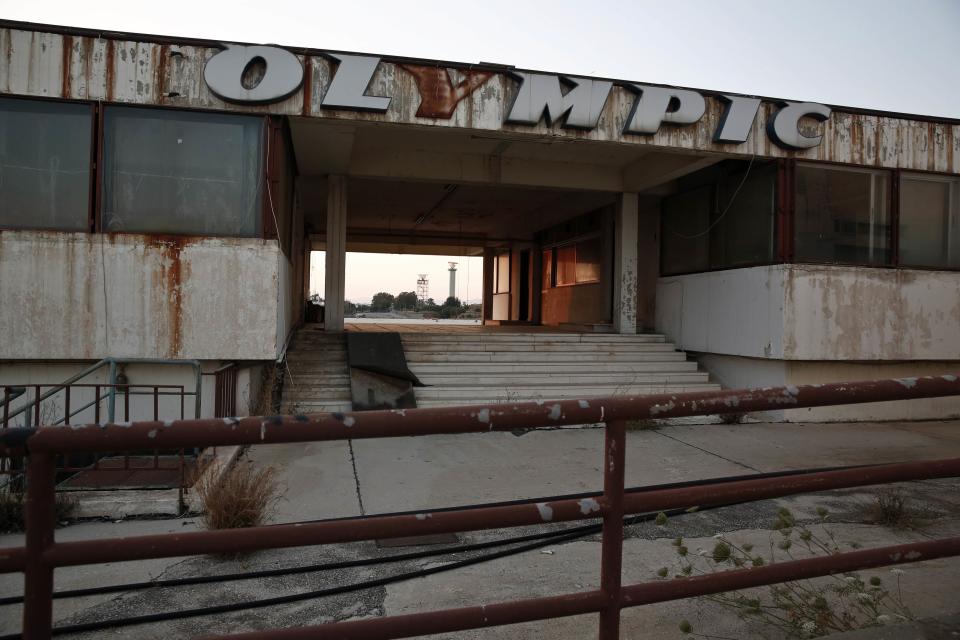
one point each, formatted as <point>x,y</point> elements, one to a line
<point>44,164</point>
<point>181,172</point>
<point>724,220</point>
<point>842,215</point>
<point>744,235</point>
<point>566,264</point>
<point>548,269</point>
<point>929,221</point>
<point>575,263</point>
<point>501,273</point>
<point>588,260</point>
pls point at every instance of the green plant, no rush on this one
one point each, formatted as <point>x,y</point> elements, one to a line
<point>798,609</point>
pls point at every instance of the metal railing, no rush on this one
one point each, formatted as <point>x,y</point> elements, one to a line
<point>42,554</point>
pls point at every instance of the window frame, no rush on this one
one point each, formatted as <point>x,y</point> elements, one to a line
<point>266,229</point>
<point>92,164</point>
<point>931,176</point>
<point>892,211</point>
<point>782,222</point>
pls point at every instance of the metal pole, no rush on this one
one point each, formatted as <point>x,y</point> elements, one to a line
<point>611,554</point>
<point>112,400</point>
<point>38,578</point>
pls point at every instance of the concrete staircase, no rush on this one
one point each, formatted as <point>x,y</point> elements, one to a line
<point>318,379</point>
<point>476,368</point>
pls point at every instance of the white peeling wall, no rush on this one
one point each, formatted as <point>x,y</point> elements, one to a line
<point>166,297</point>
<point>852,313</point>
<point>814,312</point>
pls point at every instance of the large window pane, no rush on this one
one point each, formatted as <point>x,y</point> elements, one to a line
<point>44,164</point>
<point>930,221</point>
<point>181,172</point>
<point>588,260</point>
<point>841,215</point>
<point>743,228</point>
<point>684,235</point>
<point>567,265</point>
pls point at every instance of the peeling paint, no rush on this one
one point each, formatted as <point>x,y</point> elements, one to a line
<point>546,511</point>
<point>909,383</point>
<point>484,416</point>
<point>424,516</point>
<point>556,411</point>
<point>588,506</point>
<point>152,433</point>
<point>583,404</point>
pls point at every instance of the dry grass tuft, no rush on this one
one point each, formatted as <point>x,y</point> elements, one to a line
<point>891,508</point>
<point>13,509</point>
<point>243,496</point>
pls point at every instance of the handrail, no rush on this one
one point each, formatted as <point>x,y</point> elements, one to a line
<point>113,362</point>
<point>42,554</point>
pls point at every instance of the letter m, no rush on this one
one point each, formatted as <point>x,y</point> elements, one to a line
<point>539,93</point>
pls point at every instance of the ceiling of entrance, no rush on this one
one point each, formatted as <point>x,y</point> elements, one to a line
<point>424,180</point>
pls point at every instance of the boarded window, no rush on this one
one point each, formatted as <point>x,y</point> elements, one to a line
<point>44,164</point>
<point>842,215</point>
<point>548,269</point>
<point>182,172</point>
<point>930,221</point>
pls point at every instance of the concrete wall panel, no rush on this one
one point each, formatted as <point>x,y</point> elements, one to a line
<point>737,312</point>
<point>167,296</point>
<point>853,313</point>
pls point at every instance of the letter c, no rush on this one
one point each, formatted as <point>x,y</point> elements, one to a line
<point>784,127</point>
<point>223,73</point>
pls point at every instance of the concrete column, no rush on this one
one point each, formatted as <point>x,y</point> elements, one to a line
<point>336,262</point>
<point>625,229</point>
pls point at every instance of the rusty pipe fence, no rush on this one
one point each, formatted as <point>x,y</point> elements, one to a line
<point>42,553</point>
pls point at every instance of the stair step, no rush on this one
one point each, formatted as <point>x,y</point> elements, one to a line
<point>571,378</point>
<point>597,366</point>
<point>560,347</point>
<point>533,359</point>
<point>534,338</point>
<point>516,393</point>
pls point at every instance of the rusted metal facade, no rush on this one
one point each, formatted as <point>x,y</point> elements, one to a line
<point>145,70</point>
<point>42,554</point>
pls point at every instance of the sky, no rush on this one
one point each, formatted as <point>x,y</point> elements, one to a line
<point>370,273</point>
<point>891,55</point>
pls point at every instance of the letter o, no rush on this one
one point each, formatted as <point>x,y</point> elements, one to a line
<point>223,73</point>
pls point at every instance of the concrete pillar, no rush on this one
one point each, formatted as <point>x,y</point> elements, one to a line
<point>625,229</point>
<point>336,253</point>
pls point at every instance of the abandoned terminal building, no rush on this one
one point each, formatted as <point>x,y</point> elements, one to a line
<point>160,197</point>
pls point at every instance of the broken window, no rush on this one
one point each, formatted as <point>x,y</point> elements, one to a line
<point>930,221</point>
<point>182,172</point>
<point>44,164</point>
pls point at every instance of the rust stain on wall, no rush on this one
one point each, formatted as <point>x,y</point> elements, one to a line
<point>170,280</point>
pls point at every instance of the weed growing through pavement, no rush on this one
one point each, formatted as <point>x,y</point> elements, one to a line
<point>242,496</point>
<point>798,609</point>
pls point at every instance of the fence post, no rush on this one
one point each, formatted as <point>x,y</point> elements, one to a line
<point>611,554</point>
<point>41,520</point>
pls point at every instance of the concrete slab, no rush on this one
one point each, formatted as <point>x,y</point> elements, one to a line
<point>402,474</point>
<point>316,479</point>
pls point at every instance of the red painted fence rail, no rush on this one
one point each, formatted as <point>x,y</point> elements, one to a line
<point>42,554</point>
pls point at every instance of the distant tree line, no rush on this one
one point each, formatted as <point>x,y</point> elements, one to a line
<point>383,302</point>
